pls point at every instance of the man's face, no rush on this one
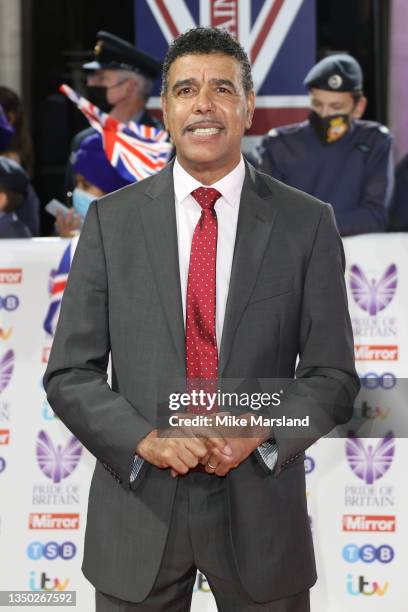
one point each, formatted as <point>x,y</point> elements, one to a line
<point>207,111</point>
<point>116,83</point>
<point>326,103</point>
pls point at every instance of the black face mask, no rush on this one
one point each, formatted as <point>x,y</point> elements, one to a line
<point>97,95</point>
<point>331,128</point>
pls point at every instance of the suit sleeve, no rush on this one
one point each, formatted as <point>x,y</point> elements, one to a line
<point>76,376</point>
<point>326,382</point>
<point>372,213</point>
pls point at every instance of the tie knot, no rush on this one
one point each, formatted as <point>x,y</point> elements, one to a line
<point>206,197</point>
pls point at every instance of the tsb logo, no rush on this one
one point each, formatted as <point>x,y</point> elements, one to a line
<point>51,550</point>
<point>309,464</point>
<point>368,553</point>
<point>9,303</point>
<point>374,381</point>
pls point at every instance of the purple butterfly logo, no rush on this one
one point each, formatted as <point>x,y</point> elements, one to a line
<point>6,369</point>
<point>370,463</point>
<point>370,295</point>
<point>57,462</point>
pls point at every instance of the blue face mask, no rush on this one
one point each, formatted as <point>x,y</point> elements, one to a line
<point>82,201</point>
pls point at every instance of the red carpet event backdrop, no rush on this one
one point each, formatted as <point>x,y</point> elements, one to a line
<point>356,488</point>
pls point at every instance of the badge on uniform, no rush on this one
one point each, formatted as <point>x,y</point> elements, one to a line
<point>337,127</point>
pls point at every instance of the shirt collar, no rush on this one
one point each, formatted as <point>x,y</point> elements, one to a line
<point>230,186</point>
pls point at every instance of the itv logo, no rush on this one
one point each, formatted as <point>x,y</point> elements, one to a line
<point>360,586</point>
<point>44,583</point>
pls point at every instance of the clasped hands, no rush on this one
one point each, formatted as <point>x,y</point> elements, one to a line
<point>182,448</point>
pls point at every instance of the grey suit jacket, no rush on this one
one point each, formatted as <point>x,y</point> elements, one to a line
<point>286,298</point>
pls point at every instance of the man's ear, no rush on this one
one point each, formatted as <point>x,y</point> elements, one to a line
<point>360,107</point>
<point>250,109</point>
<point>132,86</point>
<point>164,109</point>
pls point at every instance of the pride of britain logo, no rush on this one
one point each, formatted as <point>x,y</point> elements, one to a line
<point>370,462</point>
<point>57,462</point>
<point>372,294</point>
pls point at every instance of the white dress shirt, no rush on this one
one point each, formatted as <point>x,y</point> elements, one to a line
<point>188,212</point>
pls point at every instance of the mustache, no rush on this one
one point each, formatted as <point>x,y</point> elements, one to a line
<point>203,124</point>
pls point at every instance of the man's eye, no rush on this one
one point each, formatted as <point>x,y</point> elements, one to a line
<point>222,90</point>
<point>185,91</point>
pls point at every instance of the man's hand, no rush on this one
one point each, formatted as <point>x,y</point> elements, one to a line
<point>220,464</point>
<point>176,448</point>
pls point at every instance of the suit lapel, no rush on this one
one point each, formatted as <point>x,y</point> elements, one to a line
<point>255,220</point>
<point>159,224</point>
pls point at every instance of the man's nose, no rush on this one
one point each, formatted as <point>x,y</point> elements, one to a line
<point>324,112</point>
<point>204,102</point>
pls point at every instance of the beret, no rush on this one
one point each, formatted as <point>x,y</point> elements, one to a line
<point>338,72</point>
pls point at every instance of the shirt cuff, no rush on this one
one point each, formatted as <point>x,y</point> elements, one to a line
<point>137,465</point>
<point>268,454</point>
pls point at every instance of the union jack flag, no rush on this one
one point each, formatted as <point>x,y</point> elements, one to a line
<point>136,151</point>
<point>57,283</point>
<point>278,36</point>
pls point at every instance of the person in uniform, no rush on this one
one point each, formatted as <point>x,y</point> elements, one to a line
<point>399,208</point>
<point>334,155</point>
<point>14,182</point>
<point>119,81</point>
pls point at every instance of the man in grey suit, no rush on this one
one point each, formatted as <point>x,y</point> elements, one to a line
<point>263,285</point>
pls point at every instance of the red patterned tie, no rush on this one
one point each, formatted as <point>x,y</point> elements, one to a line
<point>201,343</point>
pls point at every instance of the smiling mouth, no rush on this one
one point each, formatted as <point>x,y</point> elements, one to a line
<point>206,131</point>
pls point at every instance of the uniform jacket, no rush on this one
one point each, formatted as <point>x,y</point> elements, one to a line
<point>354,174</point>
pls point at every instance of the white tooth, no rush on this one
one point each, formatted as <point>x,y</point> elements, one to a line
<point>206,131</point>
